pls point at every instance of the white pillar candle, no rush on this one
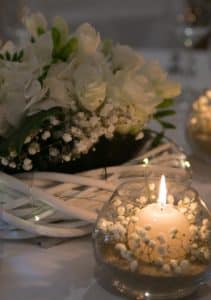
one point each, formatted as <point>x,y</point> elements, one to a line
<point>163,231</point>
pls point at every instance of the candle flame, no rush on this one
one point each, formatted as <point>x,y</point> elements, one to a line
<point>162,191</point>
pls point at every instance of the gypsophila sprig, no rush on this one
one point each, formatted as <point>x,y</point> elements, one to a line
<point>64,91</point>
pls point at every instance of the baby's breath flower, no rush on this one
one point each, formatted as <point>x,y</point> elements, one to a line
<point>53,152</point>
<point>4,161</point>
<point>27,164</point>
<point>66,157</point>
<point>12,165</point>
<point>67,137</point>
<point>33,148</point>
<point>46,135</point>
<point>27,139</point>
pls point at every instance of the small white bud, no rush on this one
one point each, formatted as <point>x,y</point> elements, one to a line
<point>46,135</point>
<point>129,207</point>
<point>117,202</point>
<point>134,219</point>
<point>161,250</point>
<point>66,157</point>
<point>170,199</point>
<point>147,227</point>
<point>13,154</point>
<point>161,238</point>
<point>120,247</point>
<point>184,264</point>
<point>174,263</point>
<point>33,148</point>
<point>151,186</point>
<point>67,137</point>
<point>205,222</point>
<point>186,200</point>
<point>53,152</point>
<point>12,165</point>
<point>178,270</point>
<point>4,161</point>
<point>193,229</point>
<point>27,164</point>
<point>27,140</point>
<point>121,210</point>
<point>166,268</point>
<point>54,121</point>
<point>133,265</point>
<point>141,232</point>
<point>159,262</point>
<point>152,243</point>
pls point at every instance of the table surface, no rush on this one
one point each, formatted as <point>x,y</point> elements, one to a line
<point>66,271</point>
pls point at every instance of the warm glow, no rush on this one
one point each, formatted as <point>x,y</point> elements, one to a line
<point>162,191</point>
<point>37,218</point>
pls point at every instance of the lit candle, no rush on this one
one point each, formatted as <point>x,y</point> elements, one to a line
<point>163,230</point>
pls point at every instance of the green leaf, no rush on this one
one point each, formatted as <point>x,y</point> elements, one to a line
<point>1,56</point>
<point>40,31</point>
<point>8,55</point>
<point>20,56</point>
<point>107,46</point>
<point>167,125</point>
<point>56,37</point>
<point>44,74</point>
<point>164,113</point>
<point>16,138</point>
<point>166,103</point>
<point>15,56</point>
<point>70,47</point>
<point>157,140</point>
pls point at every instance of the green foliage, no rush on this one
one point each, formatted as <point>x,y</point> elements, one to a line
<point>62,51</point>
<point>107,46</point>
<point>167,125</point>
<point>157,140</point>
<point>56,37</point>
<point>163,111</point>
<point>70,47</point>
<point>28,125</point>
<point>44,74</point>
<point>15,57</point>
<point>165,104</point>
<point>40,31</point>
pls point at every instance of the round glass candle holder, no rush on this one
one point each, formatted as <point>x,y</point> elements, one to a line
<point>199,126</point>
<point>148,250</point>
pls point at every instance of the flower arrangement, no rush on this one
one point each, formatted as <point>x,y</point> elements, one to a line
<point>64,93</point>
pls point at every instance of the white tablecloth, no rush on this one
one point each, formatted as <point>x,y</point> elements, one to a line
<point>66,271</point>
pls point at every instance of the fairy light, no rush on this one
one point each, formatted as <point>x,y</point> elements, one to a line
<point>37,218</point>
<point>145,161</point>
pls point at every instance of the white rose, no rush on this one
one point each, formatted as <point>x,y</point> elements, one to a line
<point>124,57</point>
<point>169,89</point>
<point>88,39</point>
<point>132,88</point>
<point>153,71</point>
<point>90,86</point>
<point>35,24</point>
<point>132,91</point>
<point>39,54</point>
<point>57,91</point>
<point>164,88</point>
<point>13,78</point>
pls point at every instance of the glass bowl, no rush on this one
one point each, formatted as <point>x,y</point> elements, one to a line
<point>150,250</point>
<point>199,126</point>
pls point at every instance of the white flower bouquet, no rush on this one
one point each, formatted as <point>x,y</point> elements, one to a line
<point>69,98</point>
